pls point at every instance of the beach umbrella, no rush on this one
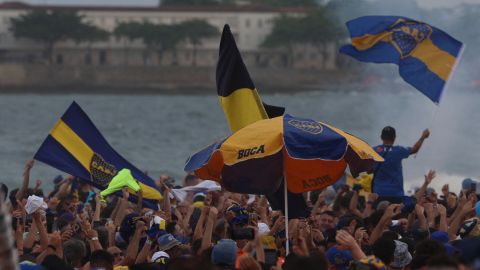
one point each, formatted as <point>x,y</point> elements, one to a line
<point>306,154</point>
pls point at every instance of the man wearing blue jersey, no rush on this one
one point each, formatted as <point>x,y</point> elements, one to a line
<point>388,175</point>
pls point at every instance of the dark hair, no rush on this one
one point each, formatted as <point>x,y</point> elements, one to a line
<point>315,261</point>
<point>74,250</point>
<point>53,262</point>
<point>388,133</point>
<point>442,261</point>
<point>384,248</point>
<point>429,247</point>
<point>190,263</point>
<point>4,191</point>
<point>102,258</point>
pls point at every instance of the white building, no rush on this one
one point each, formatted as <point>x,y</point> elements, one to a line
<point>250,25</point>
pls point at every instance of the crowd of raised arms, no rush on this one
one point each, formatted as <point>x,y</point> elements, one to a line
<point>70,227</point>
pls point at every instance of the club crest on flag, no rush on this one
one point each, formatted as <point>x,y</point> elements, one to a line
<point>101,171</point>
<point>307,126</point>
<point>405,36</point>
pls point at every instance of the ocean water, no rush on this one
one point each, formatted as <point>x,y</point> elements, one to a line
<point>157,133</point>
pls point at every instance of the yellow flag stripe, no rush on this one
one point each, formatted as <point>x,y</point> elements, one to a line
<point>242,108</point>
<point>437,61</point>
<point>63,134</point>
<point>149,192</point>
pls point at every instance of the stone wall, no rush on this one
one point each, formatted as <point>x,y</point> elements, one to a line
<point>37,77</point>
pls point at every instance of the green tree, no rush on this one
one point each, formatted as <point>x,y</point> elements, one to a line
<point>51,27</point>
<point>195,31</point>
<point>192,2</point>
<point>156,37</point>
<point>287,3</point>
<point>318,28</point>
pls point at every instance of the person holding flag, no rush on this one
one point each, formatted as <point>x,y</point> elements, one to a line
<point>388,175</point>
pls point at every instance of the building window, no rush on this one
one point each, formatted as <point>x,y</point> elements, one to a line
<point>88,58</point>
<point>59,59</point>
<point>247,23</point>
<point>260,23</point>
<point>102,57</point>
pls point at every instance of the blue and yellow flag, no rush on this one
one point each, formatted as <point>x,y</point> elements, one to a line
<point>426,55</point>
<point>75,146</point>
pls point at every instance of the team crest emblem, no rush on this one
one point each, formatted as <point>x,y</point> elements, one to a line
<point>101,172</point>
<point>406,35</point>
<point>307,126</point>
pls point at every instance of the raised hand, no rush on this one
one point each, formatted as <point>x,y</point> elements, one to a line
<point>445,191</point>
<point>29,165</point>
<point>426,133</point>
<point>344,240</point>
<point>393,210</point>
<point>38,183</point>
<point>430,176</point>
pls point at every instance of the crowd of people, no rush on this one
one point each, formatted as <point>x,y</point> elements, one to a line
<point>72,227</point>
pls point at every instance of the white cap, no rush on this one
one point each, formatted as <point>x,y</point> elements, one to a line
<point>159,254</point>
<point>34,203</point>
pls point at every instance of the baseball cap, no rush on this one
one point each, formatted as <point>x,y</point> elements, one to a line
<point>339,258</point>
<point>166,242</point>
<point>224,252</point>
<point>467,183</point>
<point>401,256</point>
<point>160,257</point>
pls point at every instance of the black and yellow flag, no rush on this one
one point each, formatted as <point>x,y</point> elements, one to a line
<point>243,106</point>
<point>239,98</point>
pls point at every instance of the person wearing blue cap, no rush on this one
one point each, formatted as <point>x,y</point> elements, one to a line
<point>224,254</point>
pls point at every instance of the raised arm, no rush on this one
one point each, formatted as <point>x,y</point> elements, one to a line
<point>428,179</point>
<point>207,235</point>
<point>353,204</point>
<point>132,249</point>
<point>416,147</point>
<point>391,211</point>
<point>26,180</point>
<point>201,223</point>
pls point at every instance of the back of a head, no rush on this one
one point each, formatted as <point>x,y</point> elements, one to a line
<point>190,263</point>
<point>315,261</point>
<point>52,262</point>
<point>388,133</point>
<point>429,248</point>
<point>74,251</point>
<point>384,248</point>
<point>443,262</point>
<point>102,259</point>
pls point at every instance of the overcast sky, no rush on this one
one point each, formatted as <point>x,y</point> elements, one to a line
<point>422,3</point>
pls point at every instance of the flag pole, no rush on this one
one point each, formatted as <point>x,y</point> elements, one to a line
<point>287,248</point>
<point>445,87</point>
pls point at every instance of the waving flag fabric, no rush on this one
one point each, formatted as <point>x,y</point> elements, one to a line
<point>75,146</point>
<point>426,55</point>
<point>238,97</point>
